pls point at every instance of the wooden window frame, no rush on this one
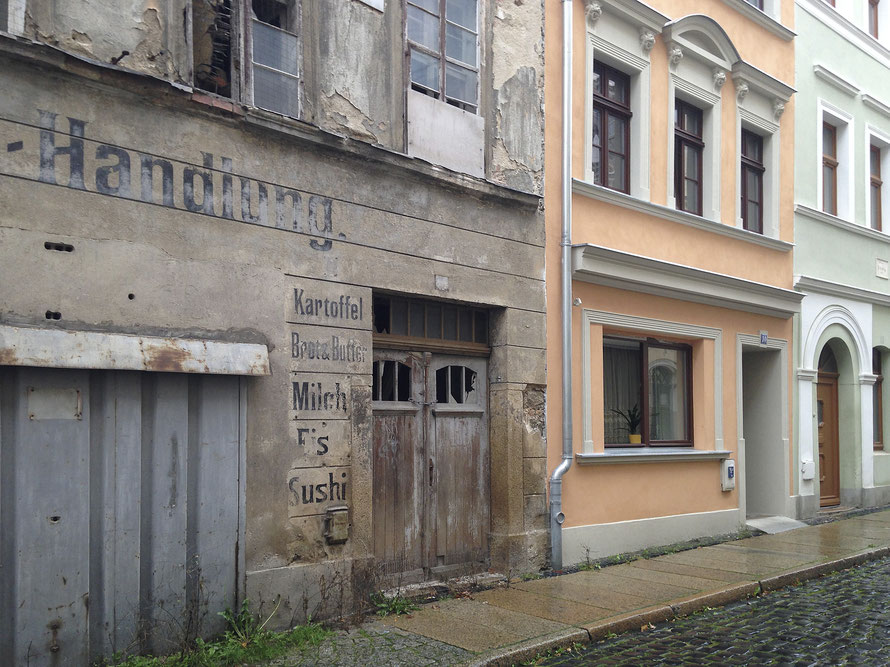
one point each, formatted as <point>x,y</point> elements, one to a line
<point>876,359</point>
<point>695,142</point>
<point>440,55</point>
<point>873,18</point>
<point>644,346</point>
<point>829,160</point>
<point>610,108</point>
<point>875,186</point>
<point>752,165</point>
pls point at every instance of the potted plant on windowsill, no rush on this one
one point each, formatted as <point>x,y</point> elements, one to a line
<point>632,419</point>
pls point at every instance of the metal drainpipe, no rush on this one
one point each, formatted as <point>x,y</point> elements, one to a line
<point>556,515</point>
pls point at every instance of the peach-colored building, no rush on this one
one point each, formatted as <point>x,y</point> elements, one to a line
<point>669,208</point>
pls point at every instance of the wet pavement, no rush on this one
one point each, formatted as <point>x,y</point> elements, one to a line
<point>839,619</point>
<point>833,620</point>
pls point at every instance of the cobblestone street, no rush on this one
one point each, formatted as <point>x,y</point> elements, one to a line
<point>840,619</point>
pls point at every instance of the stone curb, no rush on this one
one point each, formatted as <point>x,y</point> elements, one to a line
<point>812,571</point>
<point>531,648</point>
<point>676,608</point>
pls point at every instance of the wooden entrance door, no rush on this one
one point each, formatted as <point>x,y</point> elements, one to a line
<point>431,464</point>
<point>829,456</point>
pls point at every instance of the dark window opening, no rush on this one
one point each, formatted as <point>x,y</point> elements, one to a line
<point>688,151</point>
<point>444,324</point>
<point>829,168</point>
<point>391,382</point>
<point>875,186</point>
<point>756,3</point>
<point>212,22</point>
<point>752,182</point>
<point>610,150</point>
<point>456,385</point>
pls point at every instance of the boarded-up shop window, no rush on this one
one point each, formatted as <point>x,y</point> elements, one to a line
<point>420,324</point>
<point>212,22</point>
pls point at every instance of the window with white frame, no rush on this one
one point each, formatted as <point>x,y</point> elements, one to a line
<point>617,95</point>
<point>835,161</point>
<point>760,103</point>
<point>700,57</point>
<point>443,50</point>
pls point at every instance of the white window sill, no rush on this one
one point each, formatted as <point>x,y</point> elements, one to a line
<point>842,223</point>
<point>651,455</point>
<point>762,18</point>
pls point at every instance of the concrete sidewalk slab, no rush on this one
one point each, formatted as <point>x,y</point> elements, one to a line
<point>507,625</point>
<point>556,609</point>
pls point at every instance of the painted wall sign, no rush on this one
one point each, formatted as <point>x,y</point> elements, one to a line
<point>320,396</point>
<point>332,304</point>
<point>321,441</point>
<point>62,156</point>
<point>326,349</point>
<point>313,490</point>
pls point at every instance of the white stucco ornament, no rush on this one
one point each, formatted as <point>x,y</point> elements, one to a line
<point>778,108</point>
<point>719,78</point>
<point>593,10</point>
<point>741,89</point>
<point>675,54</point>
<point>647,39</point>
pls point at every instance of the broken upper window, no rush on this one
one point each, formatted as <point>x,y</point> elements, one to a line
<point>271,39</point>
<point>212,45</point>
<point>443,50</point>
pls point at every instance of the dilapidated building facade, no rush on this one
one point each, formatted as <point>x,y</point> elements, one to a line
<point>271,309</point>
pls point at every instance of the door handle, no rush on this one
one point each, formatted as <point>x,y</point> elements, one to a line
<point>431,472</point>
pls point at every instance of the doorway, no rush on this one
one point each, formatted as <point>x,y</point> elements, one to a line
<point>829,450</point>
<point>431,500</point>
<point>766,457</point>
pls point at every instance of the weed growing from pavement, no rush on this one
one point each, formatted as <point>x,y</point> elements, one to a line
<point>575,647</point>
<point>246,640</point>
<point>392,606</point>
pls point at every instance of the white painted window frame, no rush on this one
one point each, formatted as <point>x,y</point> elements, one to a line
<point>876,137</point>
<point>638,69</point>
<point>649,327</point>
<point>843,121</point>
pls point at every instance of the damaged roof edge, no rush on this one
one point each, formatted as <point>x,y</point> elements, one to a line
<point>56,348</point>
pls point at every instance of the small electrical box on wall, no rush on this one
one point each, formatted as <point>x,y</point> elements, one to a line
<point>727,475</point>
<point>336,525</point>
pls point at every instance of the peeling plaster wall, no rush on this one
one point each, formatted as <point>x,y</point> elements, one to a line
<point>129,33</point>
<point>353,92</point>
<point>516,141</point>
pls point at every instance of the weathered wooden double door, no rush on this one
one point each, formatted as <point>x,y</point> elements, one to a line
<point>431,465</point>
